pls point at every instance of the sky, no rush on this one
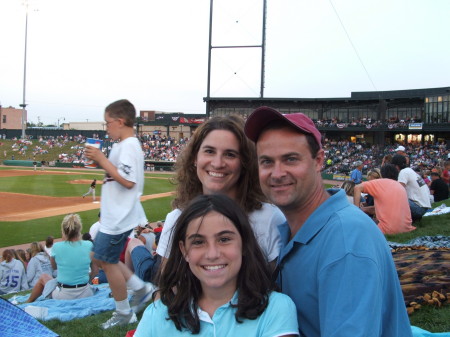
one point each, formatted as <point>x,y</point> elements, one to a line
<point>84,54</point>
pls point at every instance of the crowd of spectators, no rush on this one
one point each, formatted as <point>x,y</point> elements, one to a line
<point>20,269</point>
<point>340,154</point>
<point>161,148</point>
<point>367,122</point>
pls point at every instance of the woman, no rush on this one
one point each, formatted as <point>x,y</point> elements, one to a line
<point>222,280</point>
<point>22,257</point>
<point>348,186</point>
<point>72,258</point>
<point>12,274</point>
<point>371,175</point>
<point>39,264</point>
<point>220,159</point>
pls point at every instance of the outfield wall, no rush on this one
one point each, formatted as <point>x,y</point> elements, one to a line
<point>150,165</point>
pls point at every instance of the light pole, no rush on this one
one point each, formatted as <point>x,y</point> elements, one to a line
<point>60,118</point>
<point>23,105</point>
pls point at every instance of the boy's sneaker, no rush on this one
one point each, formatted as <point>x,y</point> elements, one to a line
<point>118,319</point>
<point>140,298</point>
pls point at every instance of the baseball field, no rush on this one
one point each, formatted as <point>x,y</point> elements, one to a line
<point>33,203</point>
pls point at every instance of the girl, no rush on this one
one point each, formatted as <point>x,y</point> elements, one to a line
<point>216,280</point>
<point>39,264</point>
<point>12,274</point>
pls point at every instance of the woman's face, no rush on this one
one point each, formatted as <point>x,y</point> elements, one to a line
<point>218,163</point>
<point>213,250</point>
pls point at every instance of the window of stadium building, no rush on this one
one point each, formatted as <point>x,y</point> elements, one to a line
<point>404,114</point>
<point>348,115</point>
<point>437,109</point>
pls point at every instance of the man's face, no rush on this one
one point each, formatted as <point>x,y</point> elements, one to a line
<point>288,174</point>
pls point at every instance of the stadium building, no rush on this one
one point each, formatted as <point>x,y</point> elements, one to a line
<point>414,116</point>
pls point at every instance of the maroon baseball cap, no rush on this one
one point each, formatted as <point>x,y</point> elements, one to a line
<point>263,116</point>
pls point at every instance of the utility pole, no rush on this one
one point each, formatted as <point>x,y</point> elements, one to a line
<point>24,105</point>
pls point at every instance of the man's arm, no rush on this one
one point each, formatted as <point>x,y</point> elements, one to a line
<point>350,298</point>
<point>432,188</point>
<point>357,194</point>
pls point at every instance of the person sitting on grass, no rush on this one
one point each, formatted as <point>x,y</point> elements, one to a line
<point>49,244</point>
<point>12,274</point>
<point>140,254</point>
<point>438,188</point>
<point>72,258</point>
<point>391,207</point>
<point>22,256</point>
<point>216,279</point>
<point>348,186</point>
<point>39,264</point>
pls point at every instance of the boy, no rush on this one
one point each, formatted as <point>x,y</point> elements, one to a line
<point>121,210</point>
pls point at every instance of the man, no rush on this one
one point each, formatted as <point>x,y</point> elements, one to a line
<point>416,188</point>
<point>356,174</point>
<point>91,189</point>
<point>446,173</point>
<point>402,151</point>
<point>390,199</point>
<point>334,262</point>
<point>438,188</point>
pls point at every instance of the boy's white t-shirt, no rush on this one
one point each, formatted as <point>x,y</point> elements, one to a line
<point>121,208</point>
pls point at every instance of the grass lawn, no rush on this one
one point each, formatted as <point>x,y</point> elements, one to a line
<point>58,185</point>
<point>428,318</point>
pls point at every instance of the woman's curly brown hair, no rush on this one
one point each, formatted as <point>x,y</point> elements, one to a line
<point>249,195</point>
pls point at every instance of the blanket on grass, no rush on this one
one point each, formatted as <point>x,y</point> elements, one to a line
<point>437,241</point>
<point>15,322</point>
<point>418,332</point>
<point>423,267</point>
<point>66,310</point>
<point>443,209</point>
<point>422,270</point>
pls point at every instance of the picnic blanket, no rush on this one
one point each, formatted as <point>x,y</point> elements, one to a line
<point>418,332</point>
<point>443,209</point>
<point>66,310</point>
<point>437,241</point>
<point>422,270</point>
<point>423,267</point>
<point>15,322</point>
